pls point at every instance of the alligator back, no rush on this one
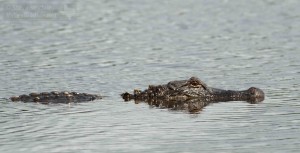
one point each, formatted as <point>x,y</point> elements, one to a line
<point>56,97</point>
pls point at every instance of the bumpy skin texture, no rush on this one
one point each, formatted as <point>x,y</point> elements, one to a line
<point>56,97</point>
<point>191,89</point>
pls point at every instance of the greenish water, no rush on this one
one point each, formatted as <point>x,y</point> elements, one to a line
<point>109,47</point>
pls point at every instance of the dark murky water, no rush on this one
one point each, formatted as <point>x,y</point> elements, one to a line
<point>109,47</point>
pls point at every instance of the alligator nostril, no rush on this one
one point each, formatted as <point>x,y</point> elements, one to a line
<point>256,92</point>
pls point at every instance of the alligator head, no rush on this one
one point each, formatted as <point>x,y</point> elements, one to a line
<point>194,88</point>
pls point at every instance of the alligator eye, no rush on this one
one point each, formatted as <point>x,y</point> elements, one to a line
<point>194,84</point>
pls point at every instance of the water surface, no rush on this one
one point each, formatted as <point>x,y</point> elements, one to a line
<point>109,47</point>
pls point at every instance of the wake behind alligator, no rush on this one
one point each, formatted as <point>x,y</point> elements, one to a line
<point>192,95</point>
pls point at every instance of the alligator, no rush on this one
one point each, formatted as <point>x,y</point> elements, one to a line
<point>56,97</point>
<point>193,88</point>
<point>181,91</point>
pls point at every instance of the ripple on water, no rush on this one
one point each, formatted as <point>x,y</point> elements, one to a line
<point>114,47</point>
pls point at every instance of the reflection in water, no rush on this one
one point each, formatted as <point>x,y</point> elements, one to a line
<point>194,105</point>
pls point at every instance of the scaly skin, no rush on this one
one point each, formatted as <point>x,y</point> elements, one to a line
<point>56,97</point>
<point>193,88</point>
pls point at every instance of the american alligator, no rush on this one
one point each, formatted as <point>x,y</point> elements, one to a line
<point>193,88</point>
<point>56,97</point>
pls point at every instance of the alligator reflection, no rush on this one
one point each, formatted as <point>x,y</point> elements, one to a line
<point>190,105</point>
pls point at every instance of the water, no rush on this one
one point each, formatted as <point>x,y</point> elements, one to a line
<point>109,47</point>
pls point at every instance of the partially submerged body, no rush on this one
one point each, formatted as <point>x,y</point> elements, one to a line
<point>56,97</point>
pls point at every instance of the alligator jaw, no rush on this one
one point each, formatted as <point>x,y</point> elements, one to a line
<point>250,95</point>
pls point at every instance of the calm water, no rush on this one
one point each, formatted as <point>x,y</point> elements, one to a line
<point>109,47</point>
